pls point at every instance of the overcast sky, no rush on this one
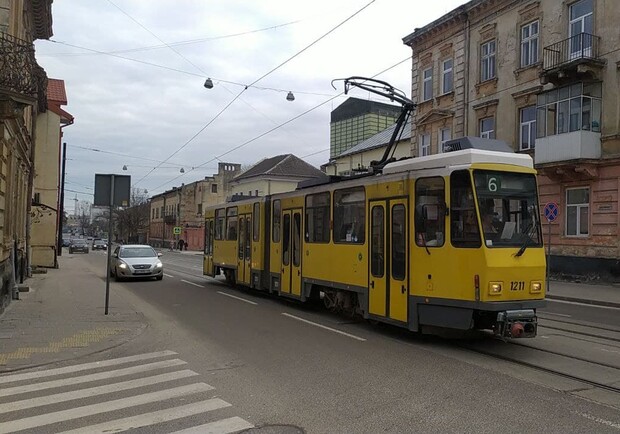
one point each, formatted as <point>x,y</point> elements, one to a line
<point>145,97</point>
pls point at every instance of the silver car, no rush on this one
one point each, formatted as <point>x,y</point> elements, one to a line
<point>136,260</point>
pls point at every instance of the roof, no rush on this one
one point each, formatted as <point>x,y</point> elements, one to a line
<point>380,139</point>
<point>287,165</point>
<point>354,107</point>
<point>56,91</point>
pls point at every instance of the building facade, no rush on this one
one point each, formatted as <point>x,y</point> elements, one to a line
<point>22,96</point>
<point>45,204</point>
<point>183,207</point>
<point>356,120</point>
<point>543,76</point>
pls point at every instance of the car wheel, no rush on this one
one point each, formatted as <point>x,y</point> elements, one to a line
<point>159,277</point>
<point>70,252</point>
<point>116,276</point>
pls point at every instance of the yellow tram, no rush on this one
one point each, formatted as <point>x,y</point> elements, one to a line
<point>449,240</point>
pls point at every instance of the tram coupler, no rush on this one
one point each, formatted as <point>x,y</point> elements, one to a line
<point>520,323</point>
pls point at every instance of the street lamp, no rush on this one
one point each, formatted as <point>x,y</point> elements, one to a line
<point>290,96</point>
<point>208,83</point>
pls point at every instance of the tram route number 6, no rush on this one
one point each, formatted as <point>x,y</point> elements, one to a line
<point>492,184</point>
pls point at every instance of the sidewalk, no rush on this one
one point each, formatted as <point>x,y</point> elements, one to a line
<point>601,295</point>
<point>62,317</point>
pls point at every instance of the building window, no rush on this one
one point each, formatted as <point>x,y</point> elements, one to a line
<point>350,215</point>
<point>213,188</point>
<point>581,21</point>
<point>153,214</point>
<point>487,128</point>
<point>577,212</point>
<point>317,218</point>
<point>527,117</point>
<point>425,144</point>
<point>445,134</point>
<point>447,76</point>
<point>427,86</point>
<point>569,108</point>
<point>529,44</point>
<point>199,209</point>
<point>487,61</point>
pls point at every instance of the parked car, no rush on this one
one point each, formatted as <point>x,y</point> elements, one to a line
<point>66,241</point>
<point>78,245</point>
<point>136,260</point>
<point>99,244</point>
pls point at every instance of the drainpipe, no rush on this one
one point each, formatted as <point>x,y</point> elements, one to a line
<point>466,77</point>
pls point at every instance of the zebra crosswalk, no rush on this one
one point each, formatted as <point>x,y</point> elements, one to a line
<point>126,393</point>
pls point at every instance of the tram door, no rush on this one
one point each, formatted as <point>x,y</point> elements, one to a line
<point>388,259</point>
<point>244,249</point>
<point>207,266</point>
<point>291,252</point>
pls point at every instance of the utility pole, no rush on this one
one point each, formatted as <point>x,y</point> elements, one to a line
<point>61,205</point>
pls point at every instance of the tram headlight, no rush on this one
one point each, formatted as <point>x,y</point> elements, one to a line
<point>495,288</point>
<point>536,287</point>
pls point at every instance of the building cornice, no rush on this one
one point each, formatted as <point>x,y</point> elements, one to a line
<point>42,19</point>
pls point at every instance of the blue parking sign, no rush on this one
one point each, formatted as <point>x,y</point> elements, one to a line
<point>551,211</point>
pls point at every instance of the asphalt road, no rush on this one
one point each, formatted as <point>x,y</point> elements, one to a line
<point>283,364</point>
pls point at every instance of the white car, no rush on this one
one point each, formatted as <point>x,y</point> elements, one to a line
<point>135,261</point>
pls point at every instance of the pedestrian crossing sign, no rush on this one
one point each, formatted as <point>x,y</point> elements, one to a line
<point>177,230</point>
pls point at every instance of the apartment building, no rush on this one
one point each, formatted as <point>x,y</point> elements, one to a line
<point>543,76</point>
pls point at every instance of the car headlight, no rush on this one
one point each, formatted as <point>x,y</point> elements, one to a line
<point>122,265</point>
<point>536,287</point>
<point>159,264</point>
<point>495,288</point>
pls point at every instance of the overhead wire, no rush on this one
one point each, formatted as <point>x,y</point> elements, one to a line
<point>262,77</point>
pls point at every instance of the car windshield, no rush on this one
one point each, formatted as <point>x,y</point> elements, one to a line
<point>79,242</point>
<point>508,208</point>
<point>99,242</point>
<point>137,252</point>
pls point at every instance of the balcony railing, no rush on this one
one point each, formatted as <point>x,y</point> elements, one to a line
<point>18,67</point>
<point>576,49</point>
<point>170,219</point>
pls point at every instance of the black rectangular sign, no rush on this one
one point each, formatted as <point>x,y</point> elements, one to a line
<point>122,187</point>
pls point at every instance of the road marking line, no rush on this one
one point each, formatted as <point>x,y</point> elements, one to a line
<point>598,306</point>
<point>609,351</point>
<point>192,283</point>
<point>154,417</point>
<point>92,377</point>
<point>556,314</point>
<point>224,426</point>
<point>323,327</point>
<point>237,298</point>
<point>83,367</point>
<point>94,391</point>
<point>169,275</point>
<point>103,407</point>
<point>599,420</point>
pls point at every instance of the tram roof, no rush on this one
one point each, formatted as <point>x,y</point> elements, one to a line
<point>459,158</point>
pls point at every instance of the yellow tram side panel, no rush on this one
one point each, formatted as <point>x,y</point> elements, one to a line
<point>275,251</point>
<point>207,260</point>
<point>258,249</point>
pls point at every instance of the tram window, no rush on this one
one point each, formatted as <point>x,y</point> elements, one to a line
<point>377,242</point>
<point>240,250</point>
<point>430,207</point>
<point>463,219</point>
<point>276,221</point>
<point>210,235</point>
<point>220,217</point>
<point>296,239</point>
<point>399,255</point>
<point>317,218</point>
<point>231,223</point>
<point>286,240</point>
<point>349,216</point>
<point>256,221</point>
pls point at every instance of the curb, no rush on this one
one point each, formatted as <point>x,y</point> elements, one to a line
<point>584,301</point>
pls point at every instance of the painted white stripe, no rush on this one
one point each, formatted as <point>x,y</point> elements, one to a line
<point>94,391</point>
<point>237,298</point>
<point>555,314</point>
<point>600,420</point>
<point>103,407</point>
<point>152,418</point>
<point>91,377</point>
<point>84,367</point>
<point>192,283</point>
<point>224,426</point>
<point>582,304</point>
<point>323,327</point>
<point>168,275</point>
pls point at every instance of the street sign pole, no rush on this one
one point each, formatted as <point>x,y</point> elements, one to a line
<point>548,252</point>
<point>551,211</point>
<point>107,274</point>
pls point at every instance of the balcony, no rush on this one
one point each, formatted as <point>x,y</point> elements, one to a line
<point>19,71</point>
<point>170,219</point>
<point>576,145</point>
<point>571,58</point>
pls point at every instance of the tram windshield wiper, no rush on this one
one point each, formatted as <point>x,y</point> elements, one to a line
<point>528,234</point>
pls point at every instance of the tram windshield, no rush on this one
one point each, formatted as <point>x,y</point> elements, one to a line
<point>508,208</point>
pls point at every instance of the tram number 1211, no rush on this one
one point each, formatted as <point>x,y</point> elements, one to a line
<point>517,286</point>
